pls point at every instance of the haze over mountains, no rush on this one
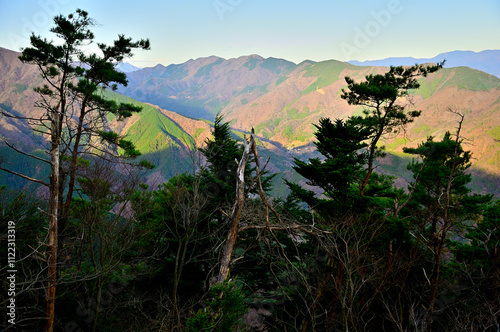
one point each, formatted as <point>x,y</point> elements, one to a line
<point>281,100</point>
<point>487,61</point>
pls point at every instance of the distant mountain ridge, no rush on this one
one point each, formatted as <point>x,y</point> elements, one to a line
<point>487,61</point>
<point>165,138</point>
<point>196,87</point>
<point>152,130</point>
<point>281,100</point>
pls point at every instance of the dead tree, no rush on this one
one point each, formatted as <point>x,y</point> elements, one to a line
<point>234,218</point>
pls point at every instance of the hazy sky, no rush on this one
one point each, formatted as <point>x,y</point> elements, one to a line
<point>295,30</point>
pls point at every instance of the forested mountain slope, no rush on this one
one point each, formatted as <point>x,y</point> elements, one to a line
<point>279,99</point>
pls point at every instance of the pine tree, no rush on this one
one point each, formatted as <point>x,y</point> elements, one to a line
<point>341,144</point>
<point>441,201</point>
<point>380,96</point>
<point>75,107</point>
<point>222,154</point>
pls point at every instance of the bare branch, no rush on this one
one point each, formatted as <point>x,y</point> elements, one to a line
<point>24,176</point>
<point>4,113</point>
<point>24,153</point>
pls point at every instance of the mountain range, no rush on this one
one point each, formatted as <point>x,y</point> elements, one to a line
<point>281,100</point>
<point>487,61</point>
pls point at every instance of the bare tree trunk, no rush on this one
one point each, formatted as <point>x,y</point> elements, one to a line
<point>179,265</point>
<point>236,213</point>
<point>53,213</point>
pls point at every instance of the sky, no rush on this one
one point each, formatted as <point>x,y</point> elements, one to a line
<point>295,30</point>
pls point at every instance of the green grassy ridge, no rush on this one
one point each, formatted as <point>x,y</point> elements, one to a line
<point>152,127</point>
<point>326,72</point>
<point>424,130</point>
<point>159,139</point>
<point>461,77</point>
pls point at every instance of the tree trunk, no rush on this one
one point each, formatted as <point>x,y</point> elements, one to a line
<point>434,286</point>
<point>371,158</point>
<point>98,302</point>
<point>53,213</point>
<point>236,213</point>
<point>72,171</point>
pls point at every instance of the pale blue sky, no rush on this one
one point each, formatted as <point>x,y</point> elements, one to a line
<point>295,30</point>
